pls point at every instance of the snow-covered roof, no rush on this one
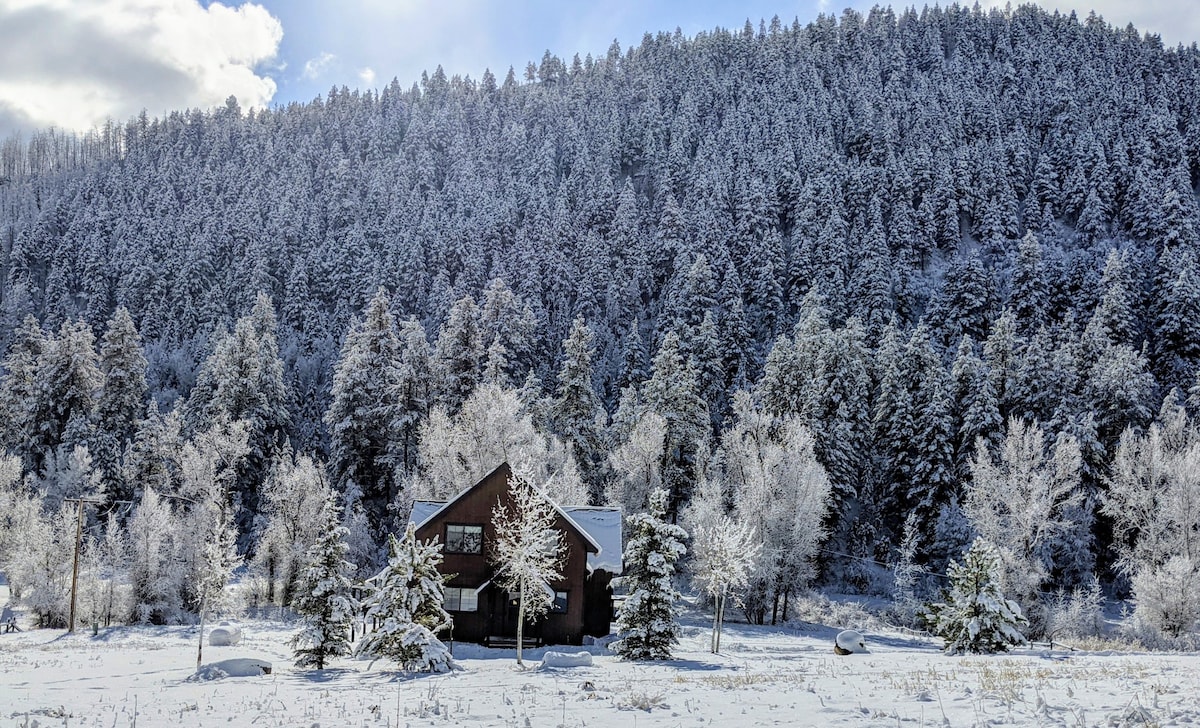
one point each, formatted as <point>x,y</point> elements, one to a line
<point>601,526</point>
<point>423,510</point>
<point>604,526</point>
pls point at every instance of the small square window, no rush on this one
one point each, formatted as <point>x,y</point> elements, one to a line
<point>560,603</point>
<point>462,539</point>
<point>461,599</point>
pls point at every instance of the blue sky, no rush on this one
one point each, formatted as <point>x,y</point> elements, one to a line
<point>401,39</point>
<point>72,64</point>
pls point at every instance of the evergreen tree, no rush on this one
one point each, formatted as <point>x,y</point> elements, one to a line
<point>673,392</point>
<point>122,400</point>
<point>20,391</point>
<point>577,414</point>
<point>412,391</point>
<point>976,618</point>
<point>323,596</point>
<point>362,412</point>
<point>407,601</point>
<point>459,355</point>
<point>242,380</point>
<point>647,621</point>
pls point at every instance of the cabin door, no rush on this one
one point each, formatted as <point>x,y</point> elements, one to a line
<point>503,622</point>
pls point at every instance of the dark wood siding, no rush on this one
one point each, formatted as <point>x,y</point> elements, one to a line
<point>474,570</point>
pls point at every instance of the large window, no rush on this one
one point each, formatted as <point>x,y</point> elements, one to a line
<point>461,600</point>
<point>462,539</point>
<point>560,603</point>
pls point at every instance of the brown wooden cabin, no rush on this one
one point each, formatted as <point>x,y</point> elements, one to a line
<point>485,613</point>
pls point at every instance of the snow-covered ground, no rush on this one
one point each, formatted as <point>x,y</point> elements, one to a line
<point>139,676</point>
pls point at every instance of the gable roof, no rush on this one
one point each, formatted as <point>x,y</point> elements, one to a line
<point>599,528</point>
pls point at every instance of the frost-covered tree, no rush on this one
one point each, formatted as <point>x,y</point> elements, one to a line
<point>20,389</point>
<point>976,617</point>
<point>413,392</point>
<point>725,554</point>
<point>292,505</point>
<point>70,381</point>
<point>324,599</point>
<point>406,599</point>
<point>459,353</point>
<point>673,392</point>
<point>217,560</point>
<point>38,568</point>
<point>242,380</point>
<point>647,621</point>
<point>637,464</point>
<point>778,489</point>
<point>156,573</point>
<point>1153,499</point>
<point>122,400</point>
<point>1019,501</point>
<point>492,426</point>
<point>528,550</point>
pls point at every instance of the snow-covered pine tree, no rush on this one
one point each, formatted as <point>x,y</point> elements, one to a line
<point>528,551</point>
<point>577,414</point>
<point>647,621</point>
<point>323,597</point>
<point>362,415</point>
<point>407,601</point>
<point>976,617</point>
<point>122,400</point>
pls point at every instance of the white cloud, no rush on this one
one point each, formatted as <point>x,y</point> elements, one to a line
<point>1177,21</point>
<point>314,66</point>
<point>74,63</point>
<point>367,76</point>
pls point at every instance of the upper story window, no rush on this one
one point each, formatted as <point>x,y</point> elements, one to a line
<point>462,539</point>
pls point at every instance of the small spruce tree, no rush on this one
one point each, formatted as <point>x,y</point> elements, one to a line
<point>407,601</point>
<point>976,617</point>
<point>647,621</point>
<point>323,595</point>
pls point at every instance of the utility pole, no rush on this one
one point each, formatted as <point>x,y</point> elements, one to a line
<point>78,545</point>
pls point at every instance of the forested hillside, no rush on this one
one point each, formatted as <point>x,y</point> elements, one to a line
<point>900,233</point>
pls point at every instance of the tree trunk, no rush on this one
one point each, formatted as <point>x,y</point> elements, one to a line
<point>200,643</point>
<point>712,643</point>
<point>520,623</point>
<point>775,608</point>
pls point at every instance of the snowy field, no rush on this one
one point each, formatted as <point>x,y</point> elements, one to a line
<point>139,676</point>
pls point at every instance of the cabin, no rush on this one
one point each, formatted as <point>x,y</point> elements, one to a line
<point>485,613</point>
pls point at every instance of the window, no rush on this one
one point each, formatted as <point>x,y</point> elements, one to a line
<point>560,603</point>
<point>461,600</point>
<point>464,539</point>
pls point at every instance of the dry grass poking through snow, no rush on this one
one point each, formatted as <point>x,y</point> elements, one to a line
<point>766,676</point>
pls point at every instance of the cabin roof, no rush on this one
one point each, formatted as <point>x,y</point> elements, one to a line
<point>599,527</point>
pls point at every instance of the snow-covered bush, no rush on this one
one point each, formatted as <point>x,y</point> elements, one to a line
<point>1078,613</point>
<point>407,601</point>
<point>976,617</point>
<point>646,621</point>
<point>1167,597</point>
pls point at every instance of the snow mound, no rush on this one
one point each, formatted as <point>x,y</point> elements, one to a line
<point>236,667</point>
<point>225,634</point>
<point>850,641</point>
<point>566,659</point>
